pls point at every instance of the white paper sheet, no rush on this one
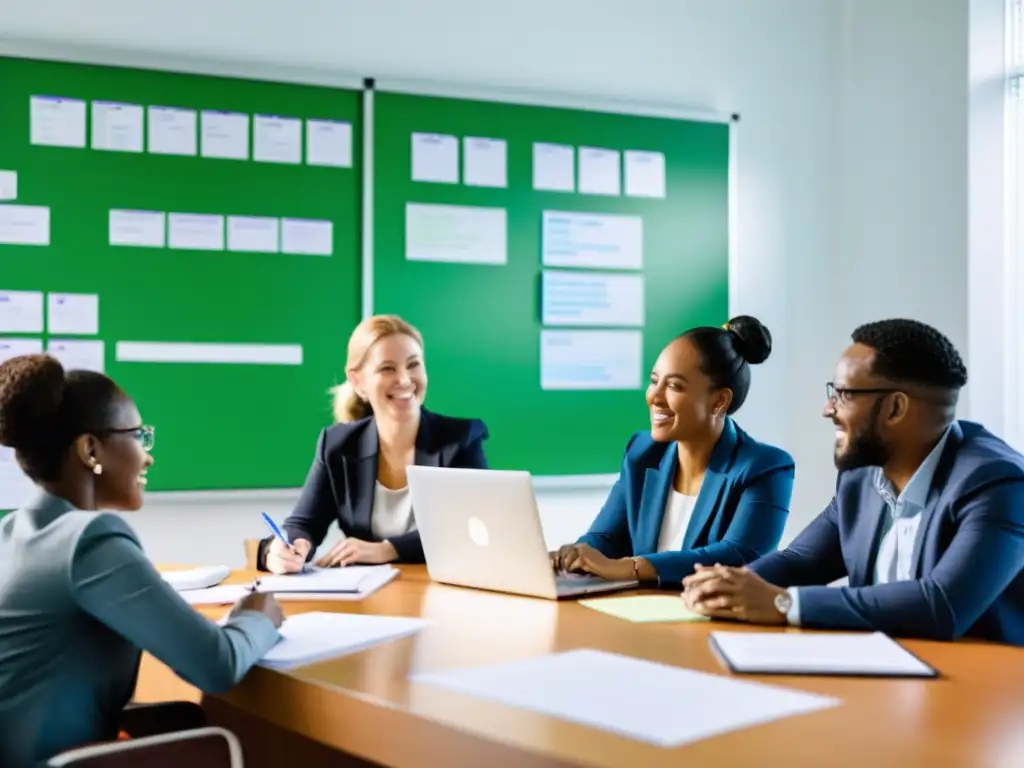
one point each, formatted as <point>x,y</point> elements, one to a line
<point>329,142</point>
<point>585,360</point>
<point>73,313</point>
<point>78,355</point>
<point>141,229</point>
<point>311,637</point>
<point>116,127</point>
<point>225,135</point>
<point>15,488</point>
<point>604,241</point>
<point>351,578</point>
<point>599,171</point>
<point>645,174</point>
<point>456,233</point>
<point>669,706</point>
<point>11,347</point>
<point>181,352</point>
<point>172,131</point>
<point>485,162</point>
<point>24,224</point>
<point>276,139</point>
<point>833,653</point>
<point>8,185</point>
<point>435,157</point>
<point>196,231</point>
<point>57,122</point>
<point>197,578</point>
<point>575,297</point>
<point>307,237</point>
<point>21,311</point>
<point>222,594</point>
<point>554,167</point>
<point>253,234</point>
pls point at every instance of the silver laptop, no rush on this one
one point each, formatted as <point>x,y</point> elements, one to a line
<point>480,528</point>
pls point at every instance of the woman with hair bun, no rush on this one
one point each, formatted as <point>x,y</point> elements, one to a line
<point>695,489</point>
<point>358,476</point>
<point>79,600</point>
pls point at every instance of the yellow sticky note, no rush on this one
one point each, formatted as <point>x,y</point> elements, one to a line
<point>645,608</point>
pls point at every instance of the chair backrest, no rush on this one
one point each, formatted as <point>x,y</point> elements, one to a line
<point>252,548</point>
<point>198,748</point>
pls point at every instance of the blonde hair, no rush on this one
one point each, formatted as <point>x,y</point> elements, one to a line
<point>348,406</point>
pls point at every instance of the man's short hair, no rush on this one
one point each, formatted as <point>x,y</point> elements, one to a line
<point>911,352</point>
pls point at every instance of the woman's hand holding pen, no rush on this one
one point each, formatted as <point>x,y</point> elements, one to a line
<point>261,602</point>
<point>282,558</point>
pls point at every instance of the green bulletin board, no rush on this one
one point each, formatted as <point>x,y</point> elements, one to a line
<point>482,321</point>
<point>218,425</point>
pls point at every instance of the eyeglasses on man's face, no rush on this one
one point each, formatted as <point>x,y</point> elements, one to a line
<point>842,395</point>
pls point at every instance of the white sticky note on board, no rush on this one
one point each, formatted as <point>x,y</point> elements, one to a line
<point>55,121</point>
<point>172,131</point>
<point>645,174</point>
<point>485,162</point>
<point>590,298</point>
<point>307,237</point>
<point>554,167</point>
<point>460,234</point>
<point>141,229</point>
<point>276,139</point>
<point>24,224</point>
<point>600,172</point>
<point>435,158</point>
<point>590,359</point>
<point>225,135</point>
<point>116,127</point>
<point>253,234</point>
<point>73,313</point>
<point>17,347</point>
<point>195,231</point>
<point>8,185</point>
<point>21,311</point>
<point>78,355</point>
<point>329,143</point>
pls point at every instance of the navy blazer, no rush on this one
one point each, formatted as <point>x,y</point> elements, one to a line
<point>740,512</point>
<point>968,559</point>
<point>340,485</point>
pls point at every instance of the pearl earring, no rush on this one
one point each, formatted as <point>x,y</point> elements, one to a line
<point>97,469</point>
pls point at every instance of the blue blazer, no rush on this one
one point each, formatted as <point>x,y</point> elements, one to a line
<point>740,512</point>
<point>341,480</point>
<point>968,560</point>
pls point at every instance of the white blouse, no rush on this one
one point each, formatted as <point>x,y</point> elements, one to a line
<point>392,512</point>
<point>678,510</point>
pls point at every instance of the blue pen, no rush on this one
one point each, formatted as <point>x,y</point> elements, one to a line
<point>279,533</point>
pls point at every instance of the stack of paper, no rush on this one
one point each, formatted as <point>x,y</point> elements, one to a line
<point>312,637</point>
<point>225,594</point>
<point>668,706</point>
<point>197,578</point>
<point>774,653</point>
<point>353,582</point>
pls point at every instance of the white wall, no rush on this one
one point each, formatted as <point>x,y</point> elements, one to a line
<point>852,155</point>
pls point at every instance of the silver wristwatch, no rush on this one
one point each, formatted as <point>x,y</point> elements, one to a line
<point>783,603</point>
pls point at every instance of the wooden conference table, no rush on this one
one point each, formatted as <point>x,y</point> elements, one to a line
<point>361,710</point>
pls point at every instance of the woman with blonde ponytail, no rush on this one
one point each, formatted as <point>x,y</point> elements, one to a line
<point>358,477</point>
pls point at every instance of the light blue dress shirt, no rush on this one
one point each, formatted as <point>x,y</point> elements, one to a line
<point>895,553</point>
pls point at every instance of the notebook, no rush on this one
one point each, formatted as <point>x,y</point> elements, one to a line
<point>832,654</point>
<point>353,579</point>
<point>312,637</point>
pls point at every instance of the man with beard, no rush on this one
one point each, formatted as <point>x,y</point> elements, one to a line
<point>927,521</point>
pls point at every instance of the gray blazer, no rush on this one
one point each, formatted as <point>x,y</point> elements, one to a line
<point>79,602</point>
